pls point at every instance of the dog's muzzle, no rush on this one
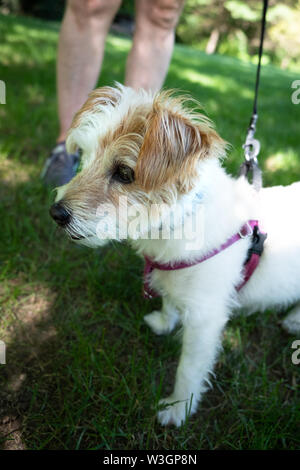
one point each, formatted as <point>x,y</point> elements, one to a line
<point>60,214</point>
<point>63,217</point>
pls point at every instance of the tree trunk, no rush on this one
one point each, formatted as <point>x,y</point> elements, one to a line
<point>212,43</point>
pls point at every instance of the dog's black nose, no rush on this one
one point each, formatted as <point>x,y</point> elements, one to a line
<point>60,214</point>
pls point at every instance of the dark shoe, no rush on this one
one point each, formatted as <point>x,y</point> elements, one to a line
<point>60,167</point>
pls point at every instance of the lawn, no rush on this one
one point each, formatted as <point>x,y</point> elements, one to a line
<point>83,371</point>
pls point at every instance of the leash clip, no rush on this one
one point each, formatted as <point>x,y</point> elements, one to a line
<point>252,149</point>
<point>251,145</point>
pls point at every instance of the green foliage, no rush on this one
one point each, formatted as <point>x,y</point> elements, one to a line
<point>243,11</point>
<point>284,35</point>
<point>48,9</point>
<point>127,8</point>
<point>230,27</point>
<point>51,9</point>
<point>9,6</point>
<point>233,27</point>
<point>235,45</point>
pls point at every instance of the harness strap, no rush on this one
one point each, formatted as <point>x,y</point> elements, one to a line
<point>249,270</point>
<point>250,228</point>
<point>254,254</point>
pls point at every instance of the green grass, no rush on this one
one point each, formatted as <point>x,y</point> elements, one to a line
<point>83,371</point>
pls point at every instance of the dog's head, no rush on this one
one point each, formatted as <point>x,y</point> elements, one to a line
<point>137,150</point>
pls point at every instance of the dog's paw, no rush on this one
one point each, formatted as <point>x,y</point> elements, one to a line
<point>291,324</point>
<point>158,322</point>
<point>175,412</point>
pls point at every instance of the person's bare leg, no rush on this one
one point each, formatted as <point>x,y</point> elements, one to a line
<point>80,53</point>
<point>153,42</point>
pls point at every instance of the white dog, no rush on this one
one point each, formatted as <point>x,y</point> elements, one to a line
<point>152,152</point>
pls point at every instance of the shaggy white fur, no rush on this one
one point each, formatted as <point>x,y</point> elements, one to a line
<point>201,298</point>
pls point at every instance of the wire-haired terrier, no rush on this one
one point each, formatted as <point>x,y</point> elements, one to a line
<point>151,166</point>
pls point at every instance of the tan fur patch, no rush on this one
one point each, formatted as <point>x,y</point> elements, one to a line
<point>174,141</point>
<point>132,126</point>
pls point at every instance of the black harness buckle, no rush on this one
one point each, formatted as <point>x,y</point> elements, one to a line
<point>257,245</point>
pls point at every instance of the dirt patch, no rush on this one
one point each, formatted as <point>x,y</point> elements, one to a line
<point>27,330</point>
<point>13,173</point>
<point>10,430</point>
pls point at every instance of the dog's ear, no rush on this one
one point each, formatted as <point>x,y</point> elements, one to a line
<point>173,143</point>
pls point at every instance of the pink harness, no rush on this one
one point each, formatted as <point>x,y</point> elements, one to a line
<point>250,228</point>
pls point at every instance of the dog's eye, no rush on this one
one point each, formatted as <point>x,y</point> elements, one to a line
<point>124,174</point>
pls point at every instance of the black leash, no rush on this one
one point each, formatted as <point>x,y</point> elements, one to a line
<point>252,145</point>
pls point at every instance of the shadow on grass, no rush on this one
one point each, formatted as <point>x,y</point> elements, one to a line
<point>63,304</point>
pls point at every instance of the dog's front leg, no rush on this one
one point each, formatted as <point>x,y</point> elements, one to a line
<point>291,323</point>
<point>201,339</point>
<point>164,321</point>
